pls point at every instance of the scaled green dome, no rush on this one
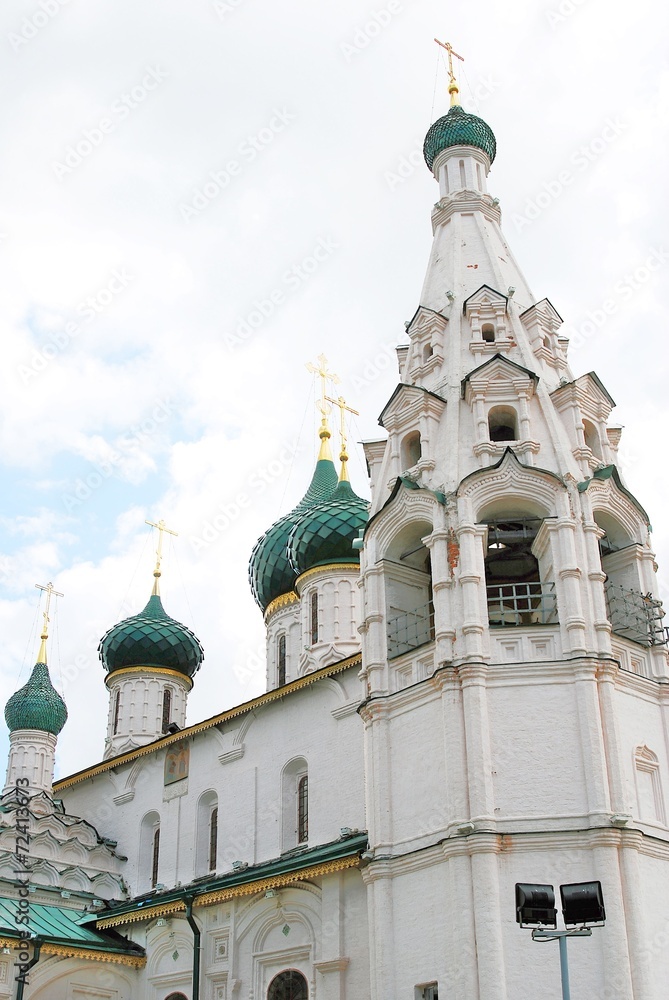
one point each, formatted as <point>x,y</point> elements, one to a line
<point>458,128</point>
<point>270,572</point>
<point>37,705</point>
<point>326,533</point>
<point>151,639</point>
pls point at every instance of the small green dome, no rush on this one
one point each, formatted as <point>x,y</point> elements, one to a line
<point>151,639</point>
<point>326,533</point>
<point>458,128</point>
<point>270,572</point>
<point>37,705</point>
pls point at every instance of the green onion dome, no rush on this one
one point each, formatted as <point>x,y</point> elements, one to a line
<point>37,705</point>
<point>270,571</point>
<point>326,533</point>
<point>151,639</point>
<point>458,128</point>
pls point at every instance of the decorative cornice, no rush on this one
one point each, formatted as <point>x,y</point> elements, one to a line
<point>65,951</point>
<point>249,706</point>
<point>162,671</point>
<point>232,892</point>
<point>327,568</point>
<point>280,602</point>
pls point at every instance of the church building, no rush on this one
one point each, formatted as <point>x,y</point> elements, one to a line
<point>467,688</point>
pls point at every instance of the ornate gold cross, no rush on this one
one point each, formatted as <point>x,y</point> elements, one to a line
<point>162,528</point>
<point>452,85</point>
<point>50,592</point>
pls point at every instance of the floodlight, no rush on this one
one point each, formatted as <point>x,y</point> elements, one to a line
<point>582,903</point>
<point>535,905</point>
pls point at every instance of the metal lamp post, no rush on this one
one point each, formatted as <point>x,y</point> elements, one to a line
<point>582,905</point>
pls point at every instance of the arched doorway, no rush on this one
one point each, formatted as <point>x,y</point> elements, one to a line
<point>288,985</point>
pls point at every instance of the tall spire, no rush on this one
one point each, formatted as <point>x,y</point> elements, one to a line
<point>321,369</point>
<point>161,526</point>
<point>50,592</point>
<point>452,84</point>
<point>340,402</point>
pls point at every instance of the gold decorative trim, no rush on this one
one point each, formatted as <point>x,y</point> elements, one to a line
<point>146,913</point>
<point>276,881</point>
<point>280,602</point>
<point>215,720</point>
<point>150,670</point>
<point>136,961</point>
<point>221,895</point>
<point>325,568</point>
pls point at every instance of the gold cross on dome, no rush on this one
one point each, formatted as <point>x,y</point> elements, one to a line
<point>162,528</point>
<point>452,85</point>
<point>343,410</point>
<point>50,592</point>
<point>321,369</point>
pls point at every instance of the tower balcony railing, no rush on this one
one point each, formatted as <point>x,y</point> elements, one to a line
<point>635,616</point>
<point>512,604</point>
<point>410,629</point>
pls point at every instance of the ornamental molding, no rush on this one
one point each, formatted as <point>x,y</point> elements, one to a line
<point>509,480</point>
<point>112,763</point>
<point>65,951</point>
<point>124,672</point>
<point>464,202</point>
<point>283,601</point>
<point>232,892</point>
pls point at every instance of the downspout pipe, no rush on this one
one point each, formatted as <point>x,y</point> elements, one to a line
<point>196,946</point>
<point>21,979</point>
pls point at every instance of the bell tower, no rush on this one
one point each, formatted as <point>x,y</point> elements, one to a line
<point>514,654</point>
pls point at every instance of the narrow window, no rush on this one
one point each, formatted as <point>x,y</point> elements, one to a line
<point>213,838</point>
<point>117,709</point>
<point>411,450</point>
<point>488,333</point>
<point>154,858</point>
<point>428,992</point>
<point>478,174</point>
<point>167,709</point>
<point>463,182</point>
<point>282,659</point>
<point>314,617</point>
<point>303,809</point>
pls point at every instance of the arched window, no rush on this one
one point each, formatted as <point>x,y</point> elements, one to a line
<point>411,450</point>
<point>145,861</point>
<point>313,617</point>
<point>409,607</point>
<point>155,857</point>
<point>592,439</point>
<point>281,659</point>
<point>117,709</point>
<point>176,996</point>
<point>303,809</point>
<point>289,985</point>
<point>167,708</point>
<point>515,592</point>
<point>427,352</point>
<point>206,833</point>
<point>488,333</point>
<point>649,786</point>
<point>213,838</point>
<point>294,804</point>
<point>502,424</point>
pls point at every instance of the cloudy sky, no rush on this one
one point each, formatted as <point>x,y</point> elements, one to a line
<point>169,170</point>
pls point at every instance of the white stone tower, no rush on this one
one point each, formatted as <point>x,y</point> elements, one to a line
<point>150,661</point>
<point>514,657</point>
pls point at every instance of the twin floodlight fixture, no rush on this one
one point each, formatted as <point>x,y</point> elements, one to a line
<point>582,905</point>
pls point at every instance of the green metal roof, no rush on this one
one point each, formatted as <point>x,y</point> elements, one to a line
<point>294,861</point>
<point>151,639</point>
<point>270,572</point>
<point>326,533</point>
<point>58,925</point>
<point>458,128</point>
<point>37,705</point>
